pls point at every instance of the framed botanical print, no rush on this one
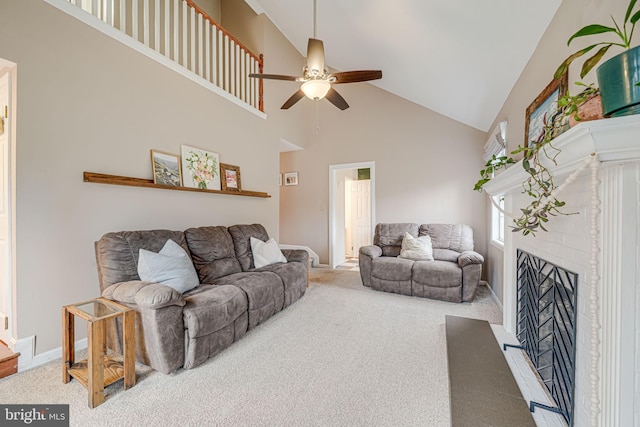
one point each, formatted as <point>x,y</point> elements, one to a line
<point>200,168</point>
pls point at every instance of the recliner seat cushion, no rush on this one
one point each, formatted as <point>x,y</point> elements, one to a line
<point>264,291</point>
<point>392,268</point>
<point>290,273</point>
<point>210,308</point>
<point>441,274</point>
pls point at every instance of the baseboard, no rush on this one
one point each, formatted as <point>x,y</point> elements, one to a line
<point>493,295</point>
<point>28,359</point>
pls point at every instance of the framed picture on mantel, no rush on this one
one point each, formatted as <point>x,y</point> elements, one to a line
<point>543,108</point>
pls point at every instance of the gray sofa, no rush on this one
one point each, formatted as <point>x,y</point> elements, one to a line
<point>176,330</point>
<point>453,276</point>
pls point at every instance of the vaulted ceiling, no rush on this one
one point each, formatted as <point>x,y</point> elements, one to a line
<point>459,58</point>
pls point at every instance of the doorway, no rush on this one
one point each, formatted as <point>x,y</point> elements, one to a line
<point>7,145</point>
<point>351,210</point>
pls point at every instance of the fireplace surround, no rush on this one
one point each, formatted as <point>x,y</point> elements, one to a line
<point>601,245</point>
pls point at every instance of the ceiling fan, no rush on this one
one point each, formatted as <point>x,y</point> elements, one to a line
<point>317,81</point>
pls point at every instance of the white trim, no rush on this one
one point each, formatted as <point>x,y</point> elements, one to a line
<point>493,294</point>
<point>123,38</point>
<point>253,4</point>
<point>28,359</point>
<point>315,259</point>
<point>332,172</point>
<point>497,244</point>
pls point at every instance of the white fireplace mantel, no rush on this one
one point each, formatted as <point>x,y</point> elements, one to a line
<point>616,139</point>
<point>609,348</point>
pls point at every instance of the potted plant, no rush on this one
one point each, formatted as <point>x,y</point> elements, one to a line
<point>617,77</point>
<point>539,185</point>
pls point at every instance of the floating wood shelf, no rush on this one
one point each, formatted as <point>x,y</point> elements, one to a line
<point>141,182</point>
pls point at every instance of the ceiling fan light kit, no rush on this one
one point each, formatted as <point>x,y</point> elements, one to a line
<point>316,89</point>
<point>316,79</point>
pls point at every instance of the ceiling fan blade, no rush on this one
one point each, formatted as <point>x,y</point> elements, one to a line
<point>273,77</point>
<point>293,99</point>
<point>336,99</point>
<point>356,76</point>
<point>315,55</point>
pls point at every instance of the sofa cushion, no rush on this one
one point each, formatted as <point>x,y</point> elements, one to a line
<point>171,267</point>
<point>266,253</point>
<point>264,291</point>
<point>242,235</point>
<point>416,248</point>
<point>392,268</point>
<point>456,237</point>
<point>117,253</point>
<point>389,237</point>
<point>442,274</point>
<point>211,308</point>
<point>213,252</point>
<point>294,279</point>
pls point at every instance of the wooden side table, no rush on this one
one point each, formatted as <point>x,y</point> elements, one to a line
<point>98,370</point>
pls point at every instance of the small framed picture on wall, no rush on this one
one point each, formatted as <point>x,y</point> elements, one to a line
<point>291,178</point>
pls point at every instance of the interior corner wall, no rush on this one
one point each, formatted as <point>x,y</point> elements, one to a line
<point>426,165</point>
<point>551,51</point>
<point>86,102</point>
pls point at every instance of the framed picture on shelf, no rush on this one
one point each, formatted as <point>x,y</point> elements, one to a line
<point>543,108</point>
<point>166,168</point>
<point>230,177</point>
<point>200,168</point>
<point>291,178</point>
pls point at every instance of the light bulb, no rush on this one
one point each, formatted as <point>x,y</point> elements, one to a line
<point>316,89</point>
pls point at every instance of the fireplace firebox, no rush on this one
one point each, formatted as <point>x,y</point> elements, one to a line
<point>546,327</point>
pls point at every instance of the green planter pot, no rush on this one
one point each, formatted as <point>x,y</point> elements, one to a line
<point>617,79</point>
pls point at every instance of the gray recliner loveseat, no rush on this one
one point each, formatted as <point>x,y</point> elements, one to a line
<point>453,275</point>
<point>176,330</point>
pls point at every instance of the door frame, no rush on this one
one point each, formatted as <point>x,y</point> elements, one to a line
<point>9,292</point>
<point>333,233</point>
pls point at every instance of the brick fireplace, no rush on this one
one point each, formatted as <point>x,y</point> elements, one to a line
<point>602,245</point>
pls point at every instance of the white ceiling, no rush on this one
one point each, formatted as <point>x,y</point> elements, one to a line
<point>459,58</point>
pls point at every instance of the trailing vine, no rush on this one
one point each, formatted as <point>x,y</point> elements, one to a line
<point>539,185</point>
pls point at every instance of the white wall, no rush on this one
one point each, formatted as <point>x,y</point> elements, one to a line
<point>89,103</point>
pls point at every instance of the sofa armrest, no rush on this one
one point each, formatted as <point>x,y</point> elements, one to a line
<point>469,257</point>
<point>299,255</point>
<point>372,251</point>
<point>145,294</point>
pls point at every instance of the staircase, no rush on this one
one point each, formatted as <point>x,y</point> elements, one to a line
<point>180,35</point>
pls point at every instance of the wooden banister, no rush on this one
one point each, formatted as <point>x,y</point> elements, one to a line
<point>204,14</point>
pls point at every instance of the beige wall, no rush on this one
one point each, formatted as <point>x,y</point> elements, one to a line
<point>551,51</point>
<point>426,165</point>
<point>89,103</point>
<point>211,8</point>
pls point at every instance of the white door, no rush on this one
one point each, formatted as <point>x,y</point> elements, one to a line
<point>360,214</point>
<point>5,210</point>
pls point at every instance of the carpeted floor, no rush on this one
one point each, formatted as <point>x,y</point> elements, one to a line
<point>343,355</point>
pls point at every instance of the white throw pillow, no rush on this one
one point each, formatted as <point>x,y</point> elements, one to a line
<point>416,248</point>
<point>171,266</point>
<point>265,253</point>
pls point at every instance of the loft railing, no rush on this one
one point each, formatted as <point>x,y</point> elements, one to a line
<point>185,34</point>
